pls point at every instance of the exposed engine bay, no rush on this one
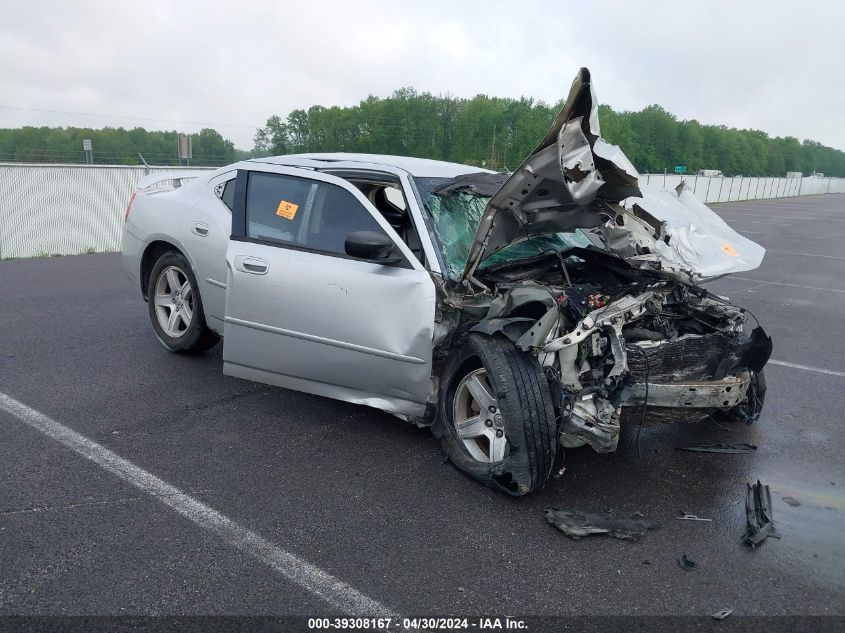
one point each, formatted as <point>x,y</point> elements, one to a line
<point>598,278</point>
<point>612,339</point>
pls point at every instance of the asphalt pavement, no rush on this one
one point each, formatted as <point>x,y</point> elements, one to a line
<point>368,499</point>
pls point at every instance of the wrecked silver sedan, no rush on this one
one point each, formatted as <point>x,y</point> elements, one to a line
<point>512,313</point>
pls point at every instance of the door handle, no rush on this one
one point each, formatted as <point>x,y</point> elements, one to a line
<point>200,228</point>
<point>252,265</point>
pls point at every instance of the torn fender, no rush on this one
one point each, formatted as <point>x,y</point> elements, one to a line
<point>672,231</point>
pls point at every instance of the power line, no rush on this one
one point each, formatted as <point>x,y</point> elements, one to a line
<point>129,118</point>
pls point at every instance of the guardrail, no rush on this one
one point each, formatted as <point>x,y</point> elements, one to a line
<point>71,209</point>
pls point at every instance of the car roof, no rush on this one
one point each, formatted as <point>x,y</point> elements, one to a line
<point>419,167</point>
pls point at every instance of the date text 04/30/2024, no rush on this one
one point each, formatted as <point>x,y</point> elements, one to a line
<point>422,623</point>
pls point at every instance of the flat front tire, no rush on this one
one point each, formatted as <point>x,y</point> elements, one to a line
<point>496,418</point>
<point>175,306</point>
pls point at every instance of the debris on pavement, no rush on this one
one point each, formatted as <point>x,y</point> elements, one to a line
<point>576,524</point>
<point>687,564</point>
<point>721,615</point>
<point>740,447</point>
<point>686,516</point>
<point>758,512</point>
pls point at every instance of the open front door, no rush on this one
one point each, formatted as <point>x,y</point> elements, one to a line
<point>302,314</point>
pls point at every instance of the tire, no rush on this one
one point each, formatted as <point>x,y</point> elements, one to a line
<point>748,411</point>
<point>522,409</point>
<point>189,333</point>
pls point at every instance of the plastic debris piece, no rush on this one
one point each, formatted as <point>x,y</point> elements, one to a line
<point>758,512</point>
<point>741,447</point>
<point>576,524</point>
<point>686,516</point>
<point>687,564</point>
<point>721,615</point>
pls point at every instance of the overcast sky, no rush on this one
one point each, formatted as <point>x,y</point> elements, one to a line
<point>774,66</point>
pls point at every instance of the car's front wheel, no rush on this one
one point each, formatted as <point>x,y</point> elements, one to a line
<point>176,307</point>
<point>496,417</point>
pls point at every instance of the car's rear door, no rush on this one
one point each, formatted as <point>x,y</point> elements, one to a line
<point>302,314</point>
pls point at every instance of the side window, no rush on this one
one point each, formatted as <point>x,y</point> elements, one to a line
<point>307,213</point>
<point>228,196</point>
<point>226,192</point>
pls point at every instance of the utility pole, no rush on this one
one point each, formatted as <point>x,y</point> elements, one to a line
<point>493,148</point>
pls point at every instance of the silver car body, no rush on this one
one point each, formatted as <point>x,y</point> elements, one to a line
<point>374,334</point>
<point>340,328</point>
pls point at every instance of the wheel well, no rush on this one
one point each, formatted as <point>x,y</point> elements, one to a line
<point>531,310</point>
<point>151,254</point>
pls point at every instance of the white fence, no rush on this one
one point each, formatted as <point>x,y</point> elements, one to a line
<point>64,209</point>
<point>70,209</point>
<point>729,189</point>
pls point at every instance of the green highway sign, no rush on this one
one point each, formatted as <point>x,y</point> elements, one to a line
<point>680,169</point>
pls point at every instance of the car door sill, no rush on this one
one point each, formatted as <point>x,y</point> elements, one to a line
<point>391,404</point>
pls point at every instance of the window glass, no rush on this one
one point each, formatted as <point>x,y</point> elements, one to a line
<point>304,212</point>
<point>228,196</point>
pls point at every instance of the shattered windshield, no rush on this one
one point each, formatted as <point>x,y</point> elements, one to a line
<point>456,216</point>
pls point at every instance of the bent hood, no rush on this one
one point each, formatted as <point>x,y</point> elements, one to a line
<point>575,179</point>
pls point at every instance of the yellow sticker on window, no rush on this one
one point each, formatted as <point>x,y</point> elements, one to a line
<point>287,209</point>
<point>728,249</point>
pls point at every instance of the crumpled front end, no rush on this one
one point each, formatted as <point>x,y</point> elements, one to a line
<point>615,343</point>
<point>673,232</point>
<point>632,353</point>
<point>575,179</point>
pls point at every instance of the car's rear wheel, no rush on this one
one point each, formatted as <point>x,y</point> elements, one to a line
<point>497,420</point>
<point>176,307</point>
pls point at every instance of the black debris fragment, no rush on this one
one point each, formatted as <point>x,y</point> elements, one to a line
<point>792,501</point>
<point>721,615</point>
<point>741,447</point>
<point>758,512</point>
<point>576,524</point>
<point>687,564</point>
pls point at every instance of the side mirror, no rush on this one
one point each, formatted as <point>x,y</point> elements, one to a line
<point>370,246</point>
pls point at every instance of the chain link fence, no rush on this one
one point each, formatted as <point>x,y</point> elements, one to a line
<point>71,209</point>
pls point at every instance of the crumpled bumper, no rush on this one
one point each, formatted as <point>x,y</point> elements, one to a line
<point>692,394</point>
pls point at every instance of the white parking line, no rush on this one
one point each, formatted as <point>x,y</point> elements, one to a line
<point>737,216</point>
<point>300,572</point>
<point>818,370</point>
<point>780,283</point>
<point>801,237</point>
<point>804,254</point>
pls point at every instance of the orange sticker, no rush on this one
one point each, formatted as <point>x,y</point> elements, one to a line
<point>287,209</point>
<point>728,249</point>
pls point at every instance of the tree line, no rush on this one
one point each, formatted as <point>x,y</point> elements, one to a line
<point>493,132</point>
<point>111,146</point>
<point>498,133</point>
